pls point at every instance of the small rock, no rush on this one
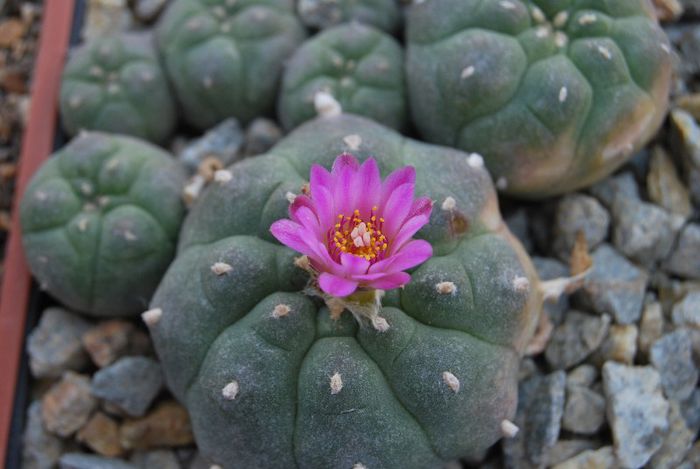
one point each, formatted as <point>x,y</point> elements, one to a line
<point>668,10</point>
<point>131,384</point>
<point>518,224</point>
<point>540,409</point>
<point>222,142</point>
<point>261,135</point>
<point>548,269</point>
<point>40,449</point>
<point>160,459</point>
<point>677,443</point>
<point>684,260</point>
<point>637,412</point>
<point>583,375</point>
<point>66,407</point>
<point>672,356</point>
<point>166,426</point>
<point>584,412</point>
<point>110,340</point>
<point>620,345</point>
<point>692,460</point>
<point>687,311</point>
<point>686,133</point>
<point>690,408</point>
<point>622,186</point>
<point>528,367</point>
<point>147,11</point>
<point>566,449</point>
<point>11,31</point>
<point>106,17</point>
<point>615,286</point>
<point>54,345</point>
<point>578,212</point>
<point>665,187</point>
<point>601,458</point>
<point>651,327</point>
<point>90,461</point>
<point>101,434</point>
<point>575,339</point>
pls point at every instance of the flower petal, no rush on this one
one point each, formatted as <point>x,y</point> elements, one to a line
<point>367,186</point>
<point>391,281</point>
<point>336,286</point>
<point>421,206</point>
<point>344,197</point>
<point>354,265</point>
<point>320,177</point>
<point>410,255</point>
<point>399,177</point>
<point>325,210</point>
<point>396,209</point>
<point>292,235</point>
<point>406,232</point>
<point>344,161</point>
<point>305,216</point>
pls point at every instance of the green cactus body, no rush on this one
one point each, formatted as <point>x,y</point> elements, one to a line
<point>555,94</point>
<point>116,84</point>
<point>100,221</point>
<point>225,57</point>
<point>271,380</point>
<point>361,67</point>
<point>383,14</point>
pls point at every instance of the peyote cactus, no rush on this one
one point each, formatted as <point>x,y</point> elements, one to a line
<point>225,57</point>
<point>361,67</point>
<point>116,84</point>
<point>100,221</point>
<point>383,14</point>
<point>272,380</point>
<point>555,94</point>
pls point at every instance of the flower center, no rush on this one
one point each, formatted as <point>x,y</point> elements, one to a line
<point>358,236</point>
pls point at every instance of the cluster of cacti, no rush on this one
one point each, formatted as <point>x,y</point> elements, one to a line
<point>115,84</point>
<point>383,14</point>
<point>554,94</point>
<point>271,380</point>
<point>225,57</point>
<point>361,67</point>
<point>100,222</point>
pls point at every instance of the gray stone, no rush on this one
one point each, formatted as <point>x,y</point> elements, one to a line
<point>40,449</point>
<point>620,345</point>
<point>692,460</point>
<point>687,311</point>
<point>578,212</point>
<point>160,459</point>
<point>583,375</point>
<point>540,409</point>
<point>609,190</point>
<point>651,327</point>
<point>147,11</point>
<point>690,408</point>
<point>584,412</point>
<point>684,260</point>
<point>598,459</point>
<point>686,136</point>
<point>637,412</point>
<point>672,356</point>
<point>567,449</point>
<point>548,269</point>
<point>614,286</point>
<point>131,384</point>
<point>90,461</point>
<point>67,405</point>
<point>54,345</point>
<point>665,187</point>
<point>644,232</point>
<point>222,142</point>
<point>575,339</point>
<point>261,135</point>
<point>677,443</point>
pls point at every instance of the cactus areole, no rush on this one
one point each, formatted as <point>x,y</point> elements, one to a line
<point>254,322</point>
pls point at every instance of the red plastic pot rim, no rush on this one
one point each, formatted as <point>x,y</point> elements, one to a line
<point>37,145</point>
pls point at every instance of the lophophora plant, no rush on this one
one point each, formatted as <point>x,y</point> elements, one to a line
<point>383,14</point>
<point>556,94</point>
<point>100,221</point>
<point>116,84</point>
<point>225,57</point>
<point>292,360</point>
<point>360,66</point>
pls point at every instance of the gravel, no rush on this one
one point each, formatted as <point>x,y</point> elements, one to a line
<point>130,384</point>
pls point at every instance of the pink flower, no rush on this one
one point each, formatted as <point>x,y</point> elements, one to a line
<point>357,231</point>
